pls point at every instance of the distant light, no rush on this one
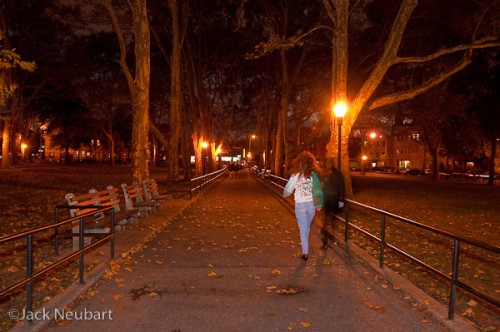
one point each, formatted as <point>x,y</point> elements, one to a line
<point>204,144</point>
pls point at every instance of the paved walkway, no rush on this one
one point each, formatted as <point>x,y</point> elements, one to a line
<point>230,262</point>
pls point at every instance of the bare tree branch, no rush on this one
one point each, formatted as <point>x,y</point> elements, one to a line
<point>411,93</point>
<point>482,43</point>
<point>121,41</point>
<point>157,133</point>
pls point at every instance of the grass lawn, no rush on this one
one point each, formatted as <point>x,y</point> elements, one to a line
<point>467,209</point>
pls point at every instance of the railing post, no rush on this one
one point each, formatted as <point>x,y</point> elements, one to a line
<point>346,218</point>
<point>454,278</point>
<point>382,240</point>
<point>56,231</point>
<point>29,274</point>
<point>80,247</point>
<point>112,230</point>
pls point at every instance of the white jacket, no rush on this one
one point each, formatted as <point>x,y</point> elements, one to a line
<point>302,187</point>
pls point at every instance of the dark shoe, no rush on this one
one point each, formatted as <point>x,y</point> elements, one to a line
<point>305,257</point>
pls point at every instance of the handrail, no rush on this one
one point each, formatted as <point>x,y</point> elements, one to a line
<point>198,183</point>
<point>194,185</point>
<point>453,279</point>
<point>31,275</point>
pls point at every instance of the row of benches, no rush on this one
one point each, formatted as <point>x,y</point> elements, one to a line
<point>133,202</point>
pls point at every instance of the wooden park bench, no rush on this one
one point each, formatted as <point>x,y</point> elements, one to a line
<point>151,192</point>
<point>135,199</point>
<point>99,222</point>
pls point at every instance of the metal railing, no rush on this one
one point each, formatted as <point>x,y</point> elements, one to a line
<point>279,183</point>
<point>195,185</point>
<point>457,241</point>
<point>31,275</point>
<point>201,182</point>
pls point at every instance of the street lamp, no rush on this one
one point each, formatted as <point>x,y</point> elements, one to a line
<point>339,110</point>
<point>249,146</point>
<point>364,157</point>
<point>373,135</point>
<point>23,147</point>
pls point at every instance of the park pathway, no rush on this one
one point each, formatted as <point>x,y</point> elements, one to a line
<point>230,262</point>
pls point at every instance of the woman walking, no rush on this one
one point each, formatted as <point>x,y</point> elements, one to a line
<point>308,196</point>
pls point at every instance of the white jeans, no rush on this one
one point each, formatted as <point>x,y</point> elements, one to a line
<point>304,212</point>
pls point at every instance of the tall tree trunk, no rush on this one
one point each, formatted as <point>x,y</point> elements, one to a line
<point>434,150</point>
<point>186,147</point>
<point>176,97</point>
<point>198,155</point>
<point>281,133</point>
<point>6,140</point>
<point>278,139</point>
<point>6,91</point>
<point>140,126</point>
<point>338,11</point>
<point>491,177</point>
<point>138,86</point>
<point>111,141</point>
<point>340,17</point>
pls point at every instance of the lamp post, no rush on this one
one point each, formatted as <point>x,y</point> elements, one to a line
<point>339,110</point>
<point>373,135</point>
<point>249,146</point>
<point>23,147</point>
<point>364,157</point>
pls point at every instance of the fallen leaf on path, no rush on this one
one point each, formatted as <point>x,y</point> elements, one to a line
<point>472,303</point>
<point>379,308</point>
<point>305,324</point>
<point>117,296</point>
<point>12,269</point>
<point>288,291</point>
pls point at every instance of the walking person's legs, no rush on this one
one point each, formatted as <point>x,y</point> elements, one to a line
<point>304,212</point>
